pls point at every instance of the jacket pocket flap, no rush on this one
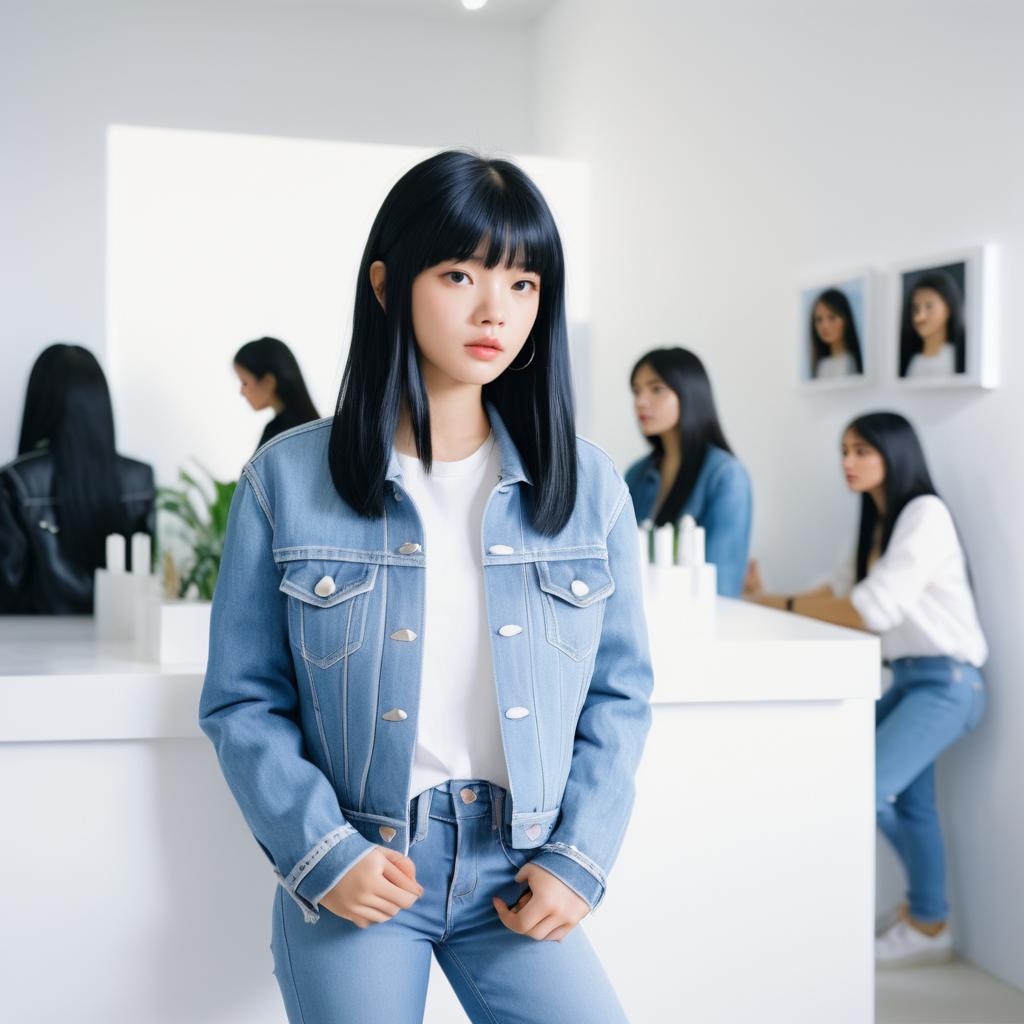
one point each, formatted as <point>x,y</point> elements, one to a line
<point>578,581</point>
<point>324,583</point>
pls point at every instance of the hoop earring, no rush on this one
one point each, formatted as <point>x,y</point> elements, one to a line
<point>528,361</point>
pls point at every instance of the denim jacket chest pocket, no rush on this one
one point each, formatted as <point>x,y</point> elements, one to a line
<point>574,595</point>
<point>327,603</point>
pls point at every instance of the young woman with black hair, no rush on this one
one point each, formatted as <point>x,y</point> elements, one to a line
<point>270,376</point>
<point>907,581</point>
<point>932,336</point>
<point>67,489</point>
<point>429,678</point>
<point>690,469</point>
<point>835,343</point>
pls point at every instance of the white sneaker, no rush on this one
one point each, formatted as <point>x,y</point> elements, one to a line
<point>884,921</point>
<point>904,946</point>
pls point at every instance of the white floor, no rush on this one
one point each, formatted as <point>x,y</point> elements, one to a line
<point>956,993</point>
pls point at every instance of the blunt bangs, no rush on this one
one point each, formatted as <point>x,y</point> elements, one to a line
<point>502,209</point>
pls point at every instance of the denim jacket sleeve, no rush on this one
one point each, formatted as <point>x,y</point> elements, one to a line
<point>611,731</point>
<point>249,710</point>
<point>727,524</point>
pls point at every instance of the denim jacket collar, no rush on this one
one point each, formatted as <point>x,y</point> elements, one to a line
<point>512,468</point>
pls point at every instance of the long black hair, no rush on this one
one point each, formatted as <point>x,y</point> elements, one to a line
<point>698,427</point>
<point>836,301</point>
<point>442,209</point>
<point>68,412</point>
<point>906,476</point>
<point>271,355</point>
<point>911,343</point>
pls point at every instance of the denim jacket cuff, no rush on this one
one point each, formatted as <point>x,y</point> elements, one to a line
<point>567,867</point>
<point>322,868</point>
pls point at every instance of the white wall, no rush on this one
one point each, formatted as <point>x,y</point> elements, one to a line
<point>68,70</point>
<point>738,146</point>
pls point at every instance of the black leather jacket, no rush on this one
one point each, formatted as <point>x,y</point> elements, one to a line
<point>35,577</point>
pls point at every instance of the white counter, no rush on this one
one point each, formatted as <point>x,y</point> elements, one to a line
<point>744,890</point>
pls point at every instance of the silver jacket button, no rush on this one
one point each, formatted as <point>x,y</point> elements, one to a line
<point>510,630</point>
<point>579,588</point>
<point>468,796</point>
<point>409,548</point>
<point>394,715</point>
<point>515,713</point>
<point>325,587</point>
<point>387,833</point>
<point>501,549</point>
<point>403,634</point>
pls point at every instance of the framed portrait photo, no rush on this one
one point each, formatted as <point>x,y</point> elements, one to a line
<point>834,336</point>
<point>940,329</point>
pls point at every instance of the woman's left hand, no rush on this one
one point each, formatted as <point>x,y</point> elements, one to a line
<point>549,909</point>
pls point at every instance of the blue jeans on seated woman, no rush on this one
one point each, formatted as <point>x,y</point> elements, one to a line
<point>932,702</point>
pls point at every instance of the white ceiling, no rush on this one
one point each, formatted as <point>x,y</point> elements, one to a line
<point>508,12</point>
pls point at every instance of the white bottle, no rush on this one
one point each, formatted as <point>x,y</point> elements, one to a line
<point>664,540</point>
<point>142,557</point>
<point>115,560</point>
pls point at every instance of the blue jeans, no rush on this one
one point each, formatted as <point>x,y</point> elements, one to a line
<point>333,972</point>
<point>932,702</point>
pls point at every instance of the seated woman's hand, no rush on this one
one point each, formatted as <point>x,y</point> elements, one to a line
<point>375,888</point>
<point>549,909</point>
<point>753,585</point>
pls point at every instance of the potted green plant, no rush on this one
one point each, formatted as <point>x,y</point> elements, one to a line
<point>202,516</point>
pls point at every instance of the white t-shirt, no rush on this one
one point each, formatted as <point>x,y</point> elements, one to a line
<point>831,367</point>
<point>459,732</point>
<point>942,364</point>
<point>916,596</point>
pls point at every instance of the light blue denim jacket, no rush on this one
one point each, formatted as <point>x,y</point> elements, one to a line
<point>312,689</point>
<point>720,501</point>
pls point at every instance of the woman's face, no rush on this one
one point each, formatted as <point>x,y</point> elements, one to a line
<point>863,465</point>
<point>929,313</point>
<point>655,403</point>
<point>831,327</point>
<point>470,322</point>
<point>257,391</point>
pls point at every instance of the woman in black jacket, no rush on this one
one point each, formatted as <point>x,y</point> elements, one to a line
<point>67,489</point>
<point>270,377</point>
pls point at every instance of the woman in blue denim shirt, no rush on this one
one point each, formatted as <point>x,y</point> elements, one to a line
<point>429,677</point>
<point>907,580</point>
<point>691,469</point>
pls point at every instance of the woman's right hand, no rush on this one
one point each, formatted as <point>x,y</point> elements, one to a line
<point>753,585</point>
<point>375,889</point>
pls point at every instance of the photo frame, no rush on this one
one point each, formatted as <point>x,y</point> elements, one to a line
<point>940,329</point>
<point>836,330</point>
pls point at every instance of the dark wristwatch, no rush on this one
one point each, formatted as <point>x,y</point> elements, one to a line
<point>789,603</point>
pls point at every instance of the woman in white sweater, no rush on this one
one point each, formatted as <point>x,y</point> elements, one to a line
<point>906,580</point>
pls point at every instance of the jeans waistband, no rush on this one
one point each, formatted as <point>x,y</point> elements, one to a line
<point>913,669</point>
<point>459,798</point>
<point>928,661</point>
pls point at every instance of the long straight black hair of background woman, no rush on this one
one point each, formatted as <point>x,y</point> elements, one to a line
<point>699,425</point>
<point>836,301</point>
<point>271,355</point>
<point>906,476</point>
<point>442,209</point>
<point>944,283</point>
<point>68,412</point>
